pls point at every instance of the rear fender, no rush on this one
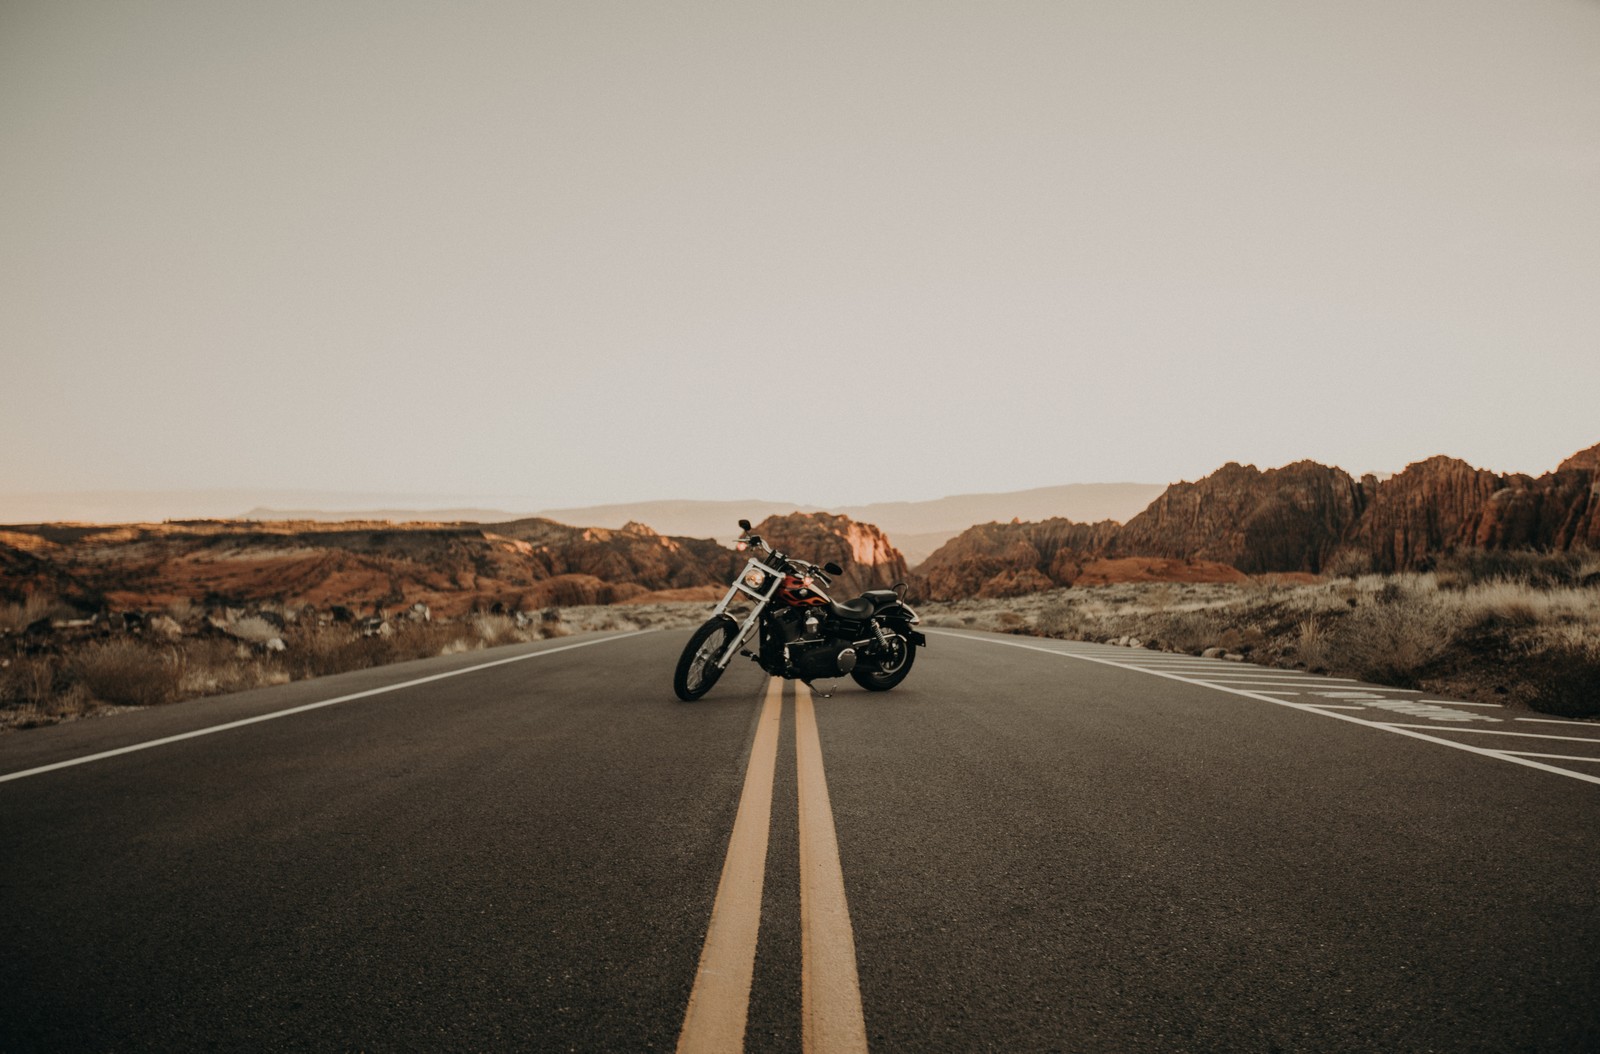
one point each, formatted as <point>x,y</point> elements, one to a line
<point>901,617</point>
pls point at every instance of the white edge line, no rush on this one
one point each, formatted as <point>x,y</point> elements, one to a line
<point>146,745</point>
<point>1395,729</point>
<point>1457,702</point>
<point>1519,735</point>
<point>1592,726</point>
<point>1557,757</point>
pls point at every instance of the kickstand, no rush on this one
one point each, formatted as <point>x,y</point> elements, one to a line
<point>819,693</point>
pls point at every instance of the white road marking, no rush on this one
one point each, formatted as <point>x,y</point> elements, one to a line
<point>306,707</point>
<point>1329,706</point>
<point>1412,708</point>
<point>1553,721</point>
<point>1519,735</point>
<point>1555,757</point>
<point>1457,702</point>
<point>1286,684</point>
<point>1310,708</point>
<point>1232,672</point>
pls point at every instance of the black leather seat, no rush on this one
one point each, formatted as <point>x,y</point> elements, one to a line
<point>865,605</point>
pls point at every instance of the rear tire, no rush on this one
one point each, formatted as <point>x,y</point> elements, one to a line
<point>883,673</point>
<point>697,667</point>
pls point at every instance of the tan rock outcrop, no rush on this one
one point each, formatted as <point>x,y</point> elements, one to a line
<point>865,553</point>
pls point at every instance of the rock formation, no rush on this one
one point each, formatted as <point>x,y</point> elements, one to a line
<point>1284,519</point>
<point>1299,518</point>
<point>452,568</point>
<point>869,561</point>
<point>1009,559</point>
<point>1442,505</point>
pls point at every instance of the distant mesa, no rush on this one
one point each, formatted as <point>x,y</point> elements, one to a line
<point>917,527</point>
<point>383,515</point>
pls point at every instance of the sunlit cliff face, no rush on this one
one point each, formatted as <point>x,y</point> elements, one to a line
<point>869,560</point>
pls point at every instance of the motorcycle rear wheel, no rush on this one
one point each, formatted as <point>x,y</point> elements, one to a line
<point>880,675</point>
<point>697,667</point>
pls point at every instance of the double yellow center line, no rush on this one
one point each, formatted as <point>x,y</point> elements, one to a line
<point>830,995</point>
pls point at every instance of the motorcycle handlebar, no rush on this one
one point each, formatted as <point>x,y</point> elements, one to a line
<point>785,562</point>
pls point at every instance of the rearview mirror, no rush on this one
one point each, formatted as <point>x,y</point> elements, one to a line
<point>832,568</point>
<point>744,525</point>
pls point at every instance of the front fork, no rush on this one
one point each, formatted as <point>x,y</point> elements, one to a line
<point>772,582</point>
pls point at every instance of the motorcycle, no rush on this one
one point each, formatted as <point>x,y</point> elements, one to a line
<point>800,631</point>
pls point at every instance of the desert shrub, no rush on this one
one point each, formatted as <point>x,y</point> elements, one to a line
<point>1348,563</point>
<point>1470,567</point>
<point>253,628</point>
<point>1062,619</point>
<point>1564,678</point>
<point>318,651</point>
<point>1500,609</point>
<point>213,666</point>
<point>1009,621</point>
<point>1397,640</point>
<point>128,673</point>
<point>1312,645</point>
<point>496,629</point>
<point>1187,631</point>
<point>17,617</point>
<point>28,681</point>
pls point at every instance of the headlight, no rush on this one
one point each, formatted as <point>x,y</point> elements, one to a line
<point>755,578</point>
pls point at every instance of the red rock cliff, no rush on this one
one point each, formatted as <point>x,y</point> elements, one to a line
<point>1010,559</point>
<point>869,561</point>
<point>1284,519</point>
<point>1443,504</point>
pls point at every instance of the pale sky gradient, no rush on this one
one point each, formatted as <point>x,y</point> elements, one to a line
<point>571,253</point>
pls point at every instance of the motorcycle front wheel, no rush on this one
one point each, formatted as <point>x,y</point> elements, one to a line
<point>697,667</point>
<point>882,673</point>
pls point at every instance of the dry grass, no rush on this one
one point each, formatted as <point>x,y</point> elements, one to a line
<point>1522,630</point>
<point>105,676</point>
<point>14,618</point>
<point>128,672</point>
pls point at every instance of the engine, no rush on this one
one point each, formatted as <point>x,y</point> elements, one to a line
<point>823,658</point>
<point>812,656</point>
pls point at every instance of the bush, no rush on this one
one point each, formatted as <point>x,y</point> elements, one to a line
<point>128,673</point>
<point>1187,631</point>
<point>17,617</point>
<point>28,681</point>
<point>1397,640</point>
<point>1062,619</point>
<point>1471,567</point>
<point>1313,645</point>
<point>1564,679</point>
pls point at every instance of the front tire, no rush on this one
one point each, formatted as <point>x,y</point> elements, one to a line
<point>883,672</point>
<point>697,667</point>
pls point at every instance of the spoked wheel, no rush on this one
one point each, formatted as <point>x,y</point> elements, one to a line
<point>883,672</point>
<point>697,668</point>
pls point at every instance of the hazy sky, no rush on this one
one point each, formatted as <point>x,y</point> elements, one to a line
<point>581,252</point>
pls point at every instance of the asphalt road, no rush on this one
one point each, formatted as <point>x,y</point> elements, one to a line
<point>1044,846</point>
